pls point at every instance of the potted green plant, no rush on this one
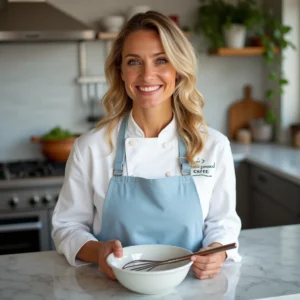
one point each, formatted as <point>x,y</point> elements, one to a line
<point>273,39</point>
<point>56,144</point>
<point>225,24</point>
<point>272,36</point>
<point>217,15</point>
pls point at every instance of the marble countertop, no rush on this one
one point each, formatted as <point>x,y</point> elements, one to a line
<point>270,268</point>
<point>281,160</point>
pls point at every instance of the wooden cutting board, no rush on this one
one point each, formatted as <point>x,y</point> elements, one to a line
<point>244,110</point>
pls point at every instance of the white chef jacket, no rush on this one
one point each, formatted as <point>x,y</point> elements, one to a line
<point>89,168</point>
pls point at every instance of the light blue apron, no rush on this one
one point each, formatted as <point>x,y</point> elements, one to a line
<point>152,211</point>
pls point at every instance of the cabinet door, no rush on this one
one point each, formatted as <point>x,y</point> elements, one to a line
<point>242,193</point>
<point>282,191</point>
<point>266,212</point>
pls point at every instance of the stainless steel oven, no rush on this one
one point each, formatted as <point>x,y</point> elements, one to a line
<point>24,232</point>
<point>28,194</point>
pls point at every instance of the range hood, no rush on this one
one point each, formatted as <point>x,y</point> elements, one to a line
<point>38,20</point>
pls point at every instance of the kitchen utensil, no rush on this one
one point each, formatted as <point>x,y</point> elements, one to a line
<point>157,281</point>
<point>295,134</point>
<point>243,111</point>
<point>244,136</point>
<point>261,131</point>
<point>144,264</point>
<point>95,103</point>
<point>297,140</point>
<point>93,89</point>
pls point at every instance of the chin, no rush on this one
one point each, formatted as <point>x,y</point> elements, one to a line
<point>148,104</point>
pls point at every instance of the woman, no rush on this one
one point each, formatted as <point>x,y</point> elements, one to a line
<point>152,172</point>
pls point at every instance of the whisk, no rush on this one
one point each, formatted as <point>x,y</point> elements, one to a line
<point>148,265</point>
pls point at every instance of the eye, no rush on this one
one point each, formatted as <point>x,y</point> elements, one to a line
<point>161,61</point>
<point>132,62</point>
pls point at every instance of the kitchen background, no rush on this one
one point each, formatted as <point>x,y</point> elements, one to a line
<point>38,88</point>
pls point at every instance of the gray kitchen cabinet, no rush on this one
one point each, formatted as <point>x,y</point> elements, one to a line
<point>243,192</point>
<point>267,212</point>
<point>274,200</point>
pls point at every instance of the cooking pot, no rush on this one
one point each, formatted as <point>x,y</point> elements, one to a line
<point>55,149</point>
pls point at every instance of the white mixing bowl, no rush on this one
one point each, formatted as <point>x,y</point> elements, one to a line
<point>156,281</point>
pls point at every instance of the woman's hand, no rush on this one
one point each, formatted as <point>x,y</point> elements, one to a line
<point>106,248</point>
<point>208,266</point>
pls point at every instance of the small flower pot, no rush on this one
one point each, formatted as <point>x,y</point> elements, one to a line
<point>235,36</point>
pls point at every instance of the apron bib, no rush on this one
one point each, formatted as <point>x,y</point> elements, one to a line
<point>152,211</point>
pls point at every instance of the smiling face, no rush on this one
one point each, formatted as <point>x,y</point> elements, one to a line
<point>146,71</point>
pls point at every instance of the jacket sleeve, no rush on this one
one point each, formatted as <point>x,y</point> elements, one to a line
<point>222,224</point>
<point>74,212</point>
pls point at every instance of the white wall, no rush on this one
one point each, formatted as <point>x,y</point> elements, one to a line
<point>290,101</point>
<point>38,89</point>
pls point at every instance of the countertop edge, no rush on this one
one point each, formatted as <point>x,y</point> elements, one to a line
<point>277,172</point>
<point>246,157</point>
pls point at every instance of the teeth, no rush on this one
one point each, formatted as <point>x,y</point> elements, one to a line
<point>149,89</point>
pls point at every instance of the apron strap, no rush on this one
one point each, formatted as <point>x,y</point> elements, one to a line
<point>184,164</point>
<point>120,152</point>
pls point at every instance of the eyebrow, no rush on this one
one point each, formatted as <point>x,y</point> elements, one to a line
<point>153,55</point>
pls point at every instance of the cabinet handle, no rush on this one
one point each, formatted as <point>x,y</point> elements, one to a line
<point>261,178</point>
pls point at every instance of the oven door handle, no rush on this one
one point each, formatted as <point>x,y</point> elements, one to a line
<point>21,227</point>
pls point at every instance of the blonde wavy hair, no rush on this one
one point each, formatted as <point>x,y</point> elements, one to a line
<point>187,102</point>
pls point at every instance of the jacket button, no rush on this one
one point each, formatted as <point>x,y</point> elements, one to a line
<point>168,174</point>
<point>132,143</point>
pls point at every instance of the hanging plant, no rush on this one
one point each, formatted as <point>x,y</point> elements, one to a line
<point>273,39</point>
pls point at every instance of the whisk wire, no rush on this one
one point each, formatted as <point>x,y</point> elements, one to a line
<point>148,265</point>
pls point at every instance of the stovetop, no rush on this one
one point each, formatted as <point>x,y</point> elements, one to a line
<point>27,169</point>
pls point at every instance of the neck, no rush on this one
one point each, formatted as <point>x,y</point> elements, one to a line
<point>152,120</point>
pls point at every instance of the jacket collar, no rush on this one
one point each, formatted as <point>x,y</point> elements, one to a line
<point>134,131</point>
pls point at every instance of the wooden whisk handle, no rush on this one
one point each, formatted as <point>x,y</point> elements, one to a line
<point>204,252</point>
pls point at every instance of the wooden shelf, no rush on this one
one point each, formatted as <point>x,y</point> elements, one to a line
<point>107,35</point>
<point>240,52</point>
<point>113,35</point>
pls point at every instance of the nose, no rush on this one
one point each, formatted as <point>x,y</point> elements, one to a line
<point>147,71</point>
